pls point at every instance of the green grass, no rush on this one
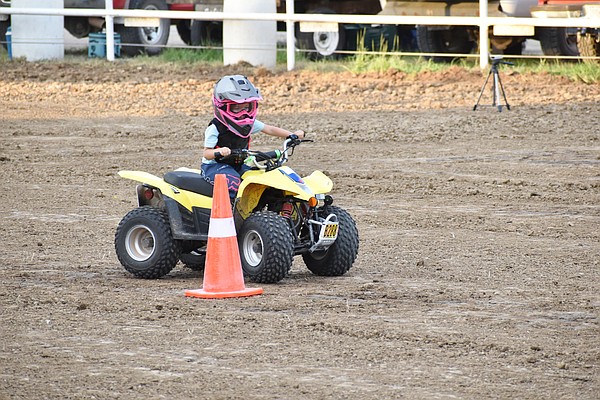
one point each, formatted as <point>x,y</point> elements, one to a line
<point>585,72</point>
<point>192,56</point>
<point>381,62</point>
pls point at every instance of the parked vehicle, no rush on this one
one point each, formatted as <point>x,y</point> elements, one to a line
<point>331,42</point>
<point>277,215</point>
<point>584,41</point>
<point>334,39</point>
<point>135,39</point>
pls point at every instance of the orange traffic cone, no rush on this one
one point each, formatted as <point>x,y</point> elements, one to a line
<point>223,276</point>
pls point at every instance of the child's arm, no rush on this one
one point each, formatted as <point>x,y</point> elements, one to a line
<point>209,152</point>
<point>280,132</point>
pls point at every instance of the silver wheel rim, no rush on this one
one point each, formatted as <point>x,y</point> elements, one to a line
<point>140,243</point>
<point>151,34</point>
<point>326,42</point>
<point>253,248</point>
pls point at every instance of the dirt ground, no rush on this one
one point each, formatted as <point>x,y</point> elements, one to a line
<point>478,273</point>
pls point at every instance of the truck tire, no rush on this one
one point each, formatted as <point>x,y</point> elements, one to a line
<point>339,257</point>
<point>266,247</point>
<point>452,40</point>
<point>144,243</point>
<point>589,46</point>
<point>207,33</point>
<point>3,28</point>
<point>145,40</point>
<point>79,27</point>
<point>515,48</point>
<point>322,45</point>
<point>184,31</point>
<point>557,42</point>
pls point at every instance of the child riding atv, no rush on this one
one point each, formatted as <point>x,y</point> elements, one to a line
<point>235,101</point>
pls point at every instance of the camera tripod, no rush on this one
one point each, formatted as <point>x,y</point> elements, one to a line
<point>497,86</point>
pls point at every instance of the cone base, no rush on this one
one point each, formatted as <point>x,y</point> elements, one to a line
<point>203,294</point>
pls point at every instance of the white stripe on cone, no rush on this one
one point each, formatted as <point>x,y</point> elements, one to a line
<point>221,228</point>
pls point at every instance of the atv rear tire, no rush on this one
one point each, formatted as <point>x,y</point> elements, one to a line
<point>339,257</point>
<point>144,243</point>
<point>266,247</point>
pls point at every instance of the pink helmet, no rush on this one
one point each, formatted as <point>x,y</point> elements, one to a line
<point>231,91</point>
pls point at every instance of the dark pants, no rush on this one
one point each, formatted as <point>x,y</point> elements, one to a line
<point>232,174</point>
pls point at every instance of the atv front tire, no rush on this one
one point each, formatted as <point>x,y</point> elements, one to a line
<point>194,261</point>
<point>339,257</point>
<point>266,247</point>
<point>144,243</point>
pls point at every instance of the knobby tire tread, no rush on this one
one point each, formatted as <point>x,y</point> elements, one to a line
<point>168,249</point>
<point>341,255</point>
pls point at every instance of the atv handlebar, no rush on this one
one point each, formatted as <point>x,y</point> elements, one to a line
<point>272,159</point>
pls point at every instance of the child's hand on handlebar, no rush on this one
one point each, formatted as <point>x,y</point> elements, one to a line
<point>222,152</point>
<point>299,134</point>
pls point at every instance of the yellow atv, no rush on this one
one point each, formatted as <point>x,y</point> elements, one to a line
<point>277,215</point>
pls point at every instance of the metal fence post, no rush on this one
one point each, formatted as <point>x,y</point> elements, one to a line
<point>110,31</point>
<point>484,43</point>
<point>290,35</point>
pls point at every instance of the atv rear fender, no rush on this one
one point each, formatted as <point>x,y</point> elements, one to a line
<point>184,197</point>
<point>189,213</point>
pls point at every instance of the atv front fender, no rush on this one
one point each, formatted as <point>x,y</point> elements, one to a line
<point>254,183</point>
<point>319,183</point>
<point>279,179</point>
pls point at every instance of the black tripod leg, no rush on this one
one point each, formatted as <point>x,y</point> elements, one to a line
<point>482,89</point>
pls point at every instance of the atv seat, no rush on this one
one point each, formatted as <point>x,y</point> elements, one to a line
<point>191,181</point>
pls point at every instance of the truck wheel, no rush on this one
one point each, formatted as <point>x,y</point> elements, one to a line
<point>184,31</point>
<point>322,44</point>
<point>197,33</point>
<point>557,42</point>
<point>206,33</point>
<point>339,257</point>
<point>266,247</point>
<point>150,39</point>
<point>3,28</point>
<point>451,40</point>
<point>79,27</point>
<point>515,48</point>
<point>589,46</point>
<point>144,243</point>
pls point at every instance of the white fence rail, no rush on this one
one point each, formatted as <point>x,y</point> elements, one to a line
<point>484,22</point>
